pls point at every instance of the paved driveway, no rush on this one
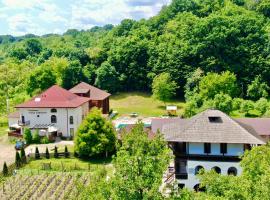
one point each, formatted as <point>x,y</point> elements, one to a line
<point>7,154</point>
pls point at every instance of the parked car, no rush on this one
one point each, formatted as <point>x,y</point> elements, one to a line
<point>20,144</point>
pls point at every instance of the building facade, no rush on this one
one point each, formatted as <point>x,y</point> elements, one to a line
<point>56,112</point>
<point>210,140</point>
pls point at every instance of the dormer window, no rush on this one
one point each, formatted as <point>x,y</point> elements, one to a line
<point>215,119</point>
<point>53,110</point>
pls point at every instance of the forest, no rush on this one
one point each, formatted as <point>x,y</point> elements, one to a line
<point>188,39</point>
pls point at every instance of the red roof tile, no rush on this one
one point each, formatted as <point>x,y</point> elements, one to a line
<point>95,93</point>
<point>54,97</point>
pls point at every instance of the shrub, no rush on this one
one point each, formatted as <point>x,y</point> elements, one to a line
<point>17,159</point>
<point>37,155</point>
<point>45,140</point>
<point>66,152</point>
<point>23,156</point>
<point>28,136</point>
<point>47,154</point>
<point>56,152</point>
<point>5,169</point>
<point>36,137</point>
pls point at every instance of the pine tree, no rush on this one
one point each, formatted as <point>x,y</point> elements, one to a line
<point>23,157</point>
<point>66,152</point>
<point>5,169</point>
<point>47,153</point>
<point>55,152</point>
<point>37,155</point>
<point>18,160</point>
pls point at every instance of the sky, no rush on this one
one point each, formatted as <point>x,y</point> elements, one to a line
<point>19,17</point>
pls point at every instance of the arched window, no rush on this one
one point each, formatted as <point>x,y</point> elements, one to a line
<point>53,110</point>
<point>198,188</point>
<point>71,120</point>
<point>197,169</point>
<point>53,119</point>
<point>232,171</point>
<point>217,169</point>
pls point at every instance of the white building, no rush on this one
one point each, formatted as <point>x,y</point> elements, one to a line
<point>209,140</point>
<point>56,111</point>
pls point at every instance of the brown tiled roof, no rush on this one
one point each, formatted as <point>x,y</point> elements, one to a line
<point>260,125</point>
<point>55,97</point>
<point>95,93</point>
<point>200,129</point>
<point>157,123</point>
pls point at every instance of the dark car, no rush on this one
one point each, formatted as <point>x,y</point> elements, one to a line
<point>19,144</point>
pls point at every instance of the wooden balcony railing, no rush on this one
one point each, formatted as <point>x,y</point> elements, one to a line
<point>23,123</point>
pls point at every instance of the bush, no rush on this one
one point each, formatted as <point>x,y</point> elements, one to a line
<point>56,152</point>
<point>66,152</point>
<point>5,169</point>
<point>23,156</point>
<point>17,160</point>
<point>36,137</point>
<point>28,136</point>
<point>37,155</point>
<point>45,140</point>
<point>47,154</point>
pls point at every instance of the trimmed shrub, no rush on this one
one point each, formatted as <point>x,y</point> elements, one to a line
<point>37,155</point>
<point>27,135</point>
<point>66,152</point>
<point>56,152</point>
<point>47,154</point>
<point>5,169</point>
<point>45,140</point>
<point>23,156</point>
<point>36,137</point>
<point>17,160</point>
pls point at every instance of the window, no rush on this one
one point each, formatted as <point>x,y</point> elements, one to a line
<point>53,110</point>
<point>232,171</point>
<point>53,119</point>
<point>23,119</point>
<point>223,148</point>
<point>217,169</point>
<point>71,120</point>
<point>207,148</point>
<point>197,169</point>
<point>215,119</point>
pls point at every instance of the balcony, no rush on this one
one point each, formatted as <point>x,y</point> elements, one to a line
<point>23,123</point>
<point>206,157</point>
<point>181,176</point>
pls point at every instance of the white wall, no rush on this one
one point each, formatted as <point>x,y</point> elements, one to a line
<point>232,149</point>
<point>12,121</point>
<point>43,116</point>
<point>207,165</point>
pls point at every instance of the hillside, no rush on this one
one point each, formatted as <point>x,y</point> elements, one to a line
<point>212,35</point>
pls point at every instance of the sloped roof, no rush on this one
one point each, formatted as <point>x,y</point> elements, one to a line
<point>201,128</point>
<point>260,125</point>
<point>158,123</point>
<point>95,93</point>
<point>55,97</point>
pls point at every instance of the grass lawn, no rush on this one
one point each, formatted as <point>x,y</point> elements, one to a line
<point>3,130</point>
<point>142,103</point>
<point>68,165</point>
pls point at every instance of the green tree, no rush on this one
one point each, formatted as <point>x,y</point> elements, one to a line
<point>47,154</point>
<point>95,136</point>
<point>37,155</point>
<point>36,137</point>
<point>257,89</point>
<point>27,135</point>
<point>18,161</point>
<point>40,79</point>
<point>72,75</point>
<point>5,169</point>
<point>213,84</point>
<point>23,156</point>
<point>163,87</point>
<point>33,46</point>
<point>149,159</point>
<point>56,155</point>
<point>223,102</point>
<point>107,78</point>
<point>192,85</point>
<point>66,152</point>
